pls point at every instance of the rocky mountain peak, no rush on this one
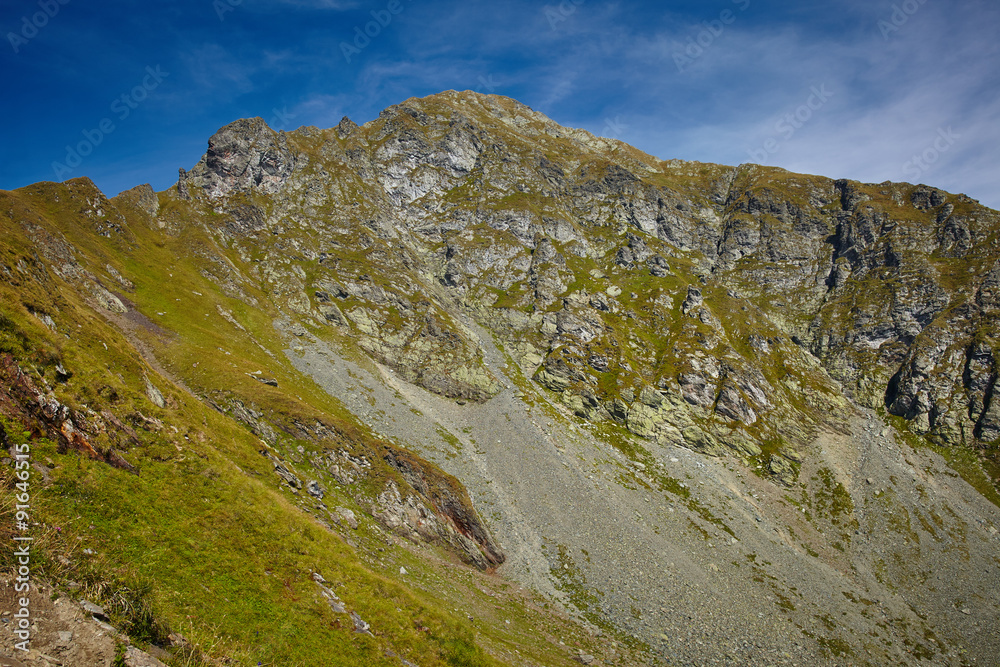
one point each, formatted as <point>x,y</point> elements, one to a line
<point>683,396</point>
<point>244,155</point>
<point>528,223</point>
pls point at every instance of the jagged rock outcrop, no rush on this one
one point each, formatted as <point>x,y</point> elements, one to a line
<point>21,398</point>
<point>243,156</point>
<point>458,524</point>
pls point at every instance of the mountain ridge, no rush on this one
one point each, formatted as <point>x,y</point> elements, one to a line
<point>660,381</point>
<point>731,244</point>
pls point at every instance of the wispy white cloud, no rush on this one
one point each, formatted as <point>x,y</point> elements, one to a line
<point>611,68</point>
<point>888,98</point>
<point>336,5</point>
<point>213,67</point>
<point>319,109</point>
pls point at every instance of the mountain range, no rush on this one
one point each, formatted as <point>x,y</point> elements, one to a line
<point>462,386</point>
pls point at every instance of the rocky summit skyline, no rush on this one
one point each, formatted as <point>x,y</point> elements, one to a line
<point>887,91</point>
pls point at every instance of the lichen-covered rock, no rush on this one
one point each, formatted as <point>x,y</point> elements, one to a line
<point>243,156</point>
<point>703,442</point>
<point>783,469</point>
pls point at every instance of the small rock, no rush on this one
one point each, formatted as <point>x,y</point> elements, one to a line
<point>155,395</point>
<point>314,489</point>
<point>112,632</point>
<point>869,481</point>
<point>966,612</point>
<point>287,475</point>
<point>585,658</point>
<point>94,610</point>
<point>360,625</point>
<point>693,300</point>
<point>64,638</point>
<point>402,570</point>
<point>136,658</point>
<point>347,516</point>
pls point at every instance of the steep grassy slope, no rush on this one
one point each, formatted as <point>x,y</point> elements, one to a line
<point>171,513</point>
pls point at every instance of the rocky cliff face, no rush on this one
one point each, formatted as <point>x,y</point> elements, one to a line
<point>686,302</point>
<point>689,401</point>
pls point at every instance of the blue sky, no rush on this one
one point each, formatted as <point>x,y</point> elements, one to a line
<point>901,90</point>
